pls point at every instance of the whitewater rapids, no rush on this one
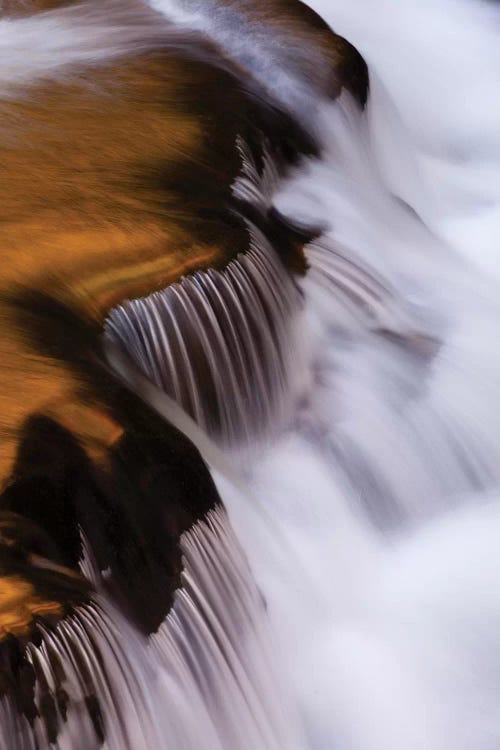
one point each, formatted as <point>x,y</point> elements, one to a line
<point>373,522</point>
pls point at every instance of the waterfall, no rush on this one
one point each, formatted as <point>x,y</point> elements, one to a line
<point>219,343</point>
<point>384,491</point>
<point>209,676</point>
<point>371,524</point>
<point>347,595</point>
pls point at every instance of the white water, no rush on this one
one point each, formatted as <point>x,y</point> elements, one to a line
<point>372,524</point>
<point>208,678</point>
<point>221,344</point>
<point>377,547</point>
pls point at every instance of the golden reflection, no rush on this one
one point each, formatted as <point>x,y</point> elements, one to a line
<point>20,605</point>
<point>86,219</point>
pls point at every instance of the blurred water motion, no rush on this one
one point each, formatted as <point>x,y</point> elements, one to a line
<point>348,415</point>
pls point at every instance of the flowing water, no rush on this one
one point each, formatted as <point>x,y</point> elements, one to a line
<point>386,491</point>
<point>365,465</point>
<point>370,515</point>
<point>377,549</point>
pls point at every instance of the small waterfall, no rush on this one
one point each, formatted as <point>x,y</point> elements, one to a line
<point>384,496</point>
<point>208,678</point>
<point>374,509</point>
<point>356,603</point>
<point>225,344</point>
<point>217,645</point>
<point>220,343</point>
